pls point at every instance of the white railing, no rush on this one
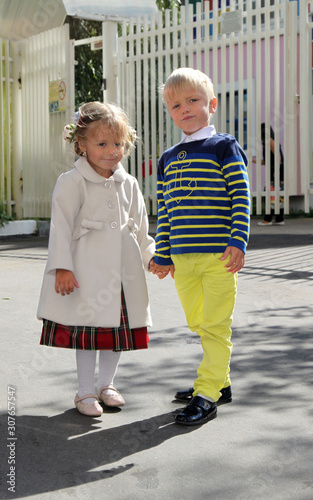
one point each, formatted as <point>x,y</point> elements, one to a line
<point>47,105</point>
<point>305,94</point>
<point>258,55</point>
<point>6,82</point>
<point>254,72</point>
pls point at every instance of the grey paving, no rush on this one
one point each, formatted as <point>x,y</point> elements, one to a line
<point>259,447</point>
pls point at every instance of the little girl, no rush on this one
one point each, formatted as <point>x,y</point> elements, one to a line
<point>94,293</point>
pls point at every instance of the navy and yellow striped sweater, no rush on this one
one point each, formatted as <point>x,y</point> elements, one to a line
<point>203,198</point>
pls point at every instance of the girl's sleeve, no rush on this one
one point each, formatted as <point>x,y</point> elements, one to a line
<point>65,207</point>
<point>145,241</point>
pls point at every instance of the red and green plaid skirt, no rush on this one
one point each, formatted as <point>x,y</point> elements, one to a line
<point>91,338</point>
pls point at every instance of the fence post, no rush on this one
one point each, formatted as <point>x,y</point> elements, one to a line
<point>290,100</point>
<point>305,72</point>
<point>17,170</point>
<point>109,54</point>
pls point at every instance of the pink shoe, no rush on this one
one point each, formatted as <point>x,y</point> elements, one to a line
<point>89,409</point>
<point>115,399</point>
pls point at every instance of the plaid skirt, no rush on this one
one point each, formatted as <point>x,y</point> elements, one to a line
<point>91,338</point>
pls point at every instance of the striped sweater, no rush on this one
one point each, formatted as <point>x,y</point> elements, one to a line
<point>203,198</point>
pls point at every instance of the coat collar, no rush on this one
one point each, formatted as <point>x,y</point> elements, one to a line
<point>83,167</point>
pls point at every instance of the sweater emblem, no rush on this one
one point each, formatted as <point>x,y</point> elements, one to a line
<point>181,182</point>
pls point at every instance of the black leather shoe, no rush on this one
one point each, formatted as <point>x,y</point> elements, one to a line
<point>226,395</point>
<point>197,412</point>
<point>184,395</point>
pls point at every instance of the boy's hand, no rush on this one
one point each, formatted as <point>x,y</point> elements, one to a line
<point>162,271</point>
<point>65,282</point>
<point>236,261</point>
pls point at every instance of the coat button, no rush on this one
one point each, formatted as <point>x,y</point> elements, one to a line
<point>111,204</point>
<point>107,185</point>
<point>113,225</point>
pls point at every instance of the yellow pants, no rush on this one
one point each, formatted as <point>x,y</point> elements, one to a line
<point>207,293</point>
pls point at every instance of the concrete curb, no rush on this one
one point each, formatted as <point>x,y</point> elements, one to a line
<point>25,228</point>
<point>18,227</point>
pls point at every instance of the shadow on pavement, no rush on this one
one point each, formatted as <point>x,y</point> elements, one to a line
<point>59,452</point>
<point>263,241</point>
<point>276,362</point>
<point>62,451</point>
<point>257,241</point>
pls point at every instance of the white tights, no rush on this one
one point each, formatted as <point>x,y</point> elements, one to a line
<point>86,366</point>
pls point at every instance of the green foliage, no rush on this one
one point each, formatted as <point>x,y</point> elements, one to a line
<point>88,70</point>
<point>300,213</point>
<point>4,217</point>
<point>167,4</point>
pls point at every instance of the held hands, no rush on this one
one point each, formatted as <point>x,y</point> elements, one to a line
<point>236,261</point>
<point>161,271</point>
<point>65,282</point>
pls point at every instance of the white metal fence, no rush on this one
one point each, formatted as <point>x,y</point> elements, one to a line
<point>258,55</point>
<point>47,105</point>
<point>6,82</point>
<point>250,51</point>
<point>305,95</point>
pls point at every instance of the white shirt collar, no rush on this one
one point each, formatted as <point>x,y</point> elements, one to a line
<point>203,133</point>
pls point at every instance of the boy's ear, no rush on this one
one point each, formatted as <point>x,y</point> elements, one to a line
<point>213,105</point>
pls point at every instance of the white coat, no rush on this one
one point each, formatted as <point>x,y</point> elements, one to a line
<point>99,231</point>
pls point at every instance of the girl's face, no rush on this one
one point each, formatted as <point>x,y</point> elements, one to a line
<point>190,109</point>
<point>103,149</point>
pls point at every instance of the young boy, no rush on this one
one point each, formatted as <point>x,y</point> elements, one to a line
<point>202,233</point>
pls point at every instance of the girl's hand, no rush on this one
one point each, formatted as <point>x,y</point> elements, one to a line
<point>151,266</point>
<point>236,261</point>
<point>162,271</point>
<point>65,282</point>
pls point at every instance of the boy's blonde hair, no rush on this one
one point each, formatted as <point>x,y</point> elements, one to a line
<point>108,115</point>
<point>186,78</point>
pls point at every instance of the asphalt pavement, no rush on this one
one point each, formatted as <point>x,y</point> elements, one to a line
<point>259,447</point>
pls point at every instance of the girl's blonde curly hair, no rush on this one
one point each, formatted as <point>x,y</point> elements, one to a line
<point>108,115</point>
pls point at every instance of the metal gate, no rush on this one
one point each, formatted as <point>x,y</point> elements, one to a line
<point>251,52</point>
<point>305,60</point>
<point>6,84</point>
<point>47,105</point>
<point>258,55</point>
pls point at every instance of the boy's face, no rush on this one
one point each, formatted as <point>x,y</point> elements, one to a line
<point>190,109</point>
